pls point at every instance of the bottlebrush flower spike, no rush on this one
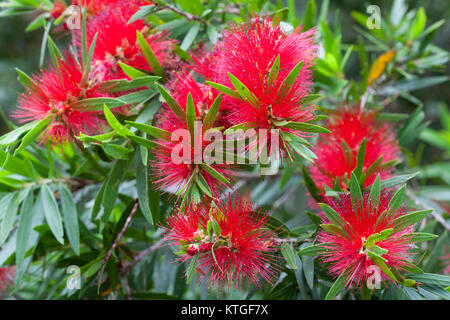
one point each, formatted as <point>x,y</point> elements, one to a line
<point>186,117</point>
<point>367,234</point>
<point>269,72</point>
<point>117,42</point>
<point>57,93</point>
<point>337,152</point>
<point>226,242</point>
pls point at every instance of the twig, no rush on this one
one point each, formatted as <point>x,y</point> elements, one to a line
<point>144,253</point>
<point>118,239</point>
<point>188,16</point>
<point>435,215</point>
<point>293,241</point>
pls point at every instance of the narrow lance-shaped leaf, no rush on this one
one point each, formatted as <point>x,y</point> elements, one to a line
<point>24,228</point>
<point>173,104</point>
<point>151,130</point>
<point>115,124</point>
<point>70,218</point>
<point>273,73</point>
<point>51,213</point>
<point>211,115</point>
<point>9,217</point>
<point>375,191</point>
<point>337,286</point>
<point>360,162</point>
<point>214,173</point>
<point>191,115</point>
<point>355,191</point>
<point>290,80</point>
<point>243,91</point>
<point>150,56</point>
<point>288,253</point>
<point>397,200</point>
<point>33,133</point>
<point>191,268</point>
<point>225,90</point>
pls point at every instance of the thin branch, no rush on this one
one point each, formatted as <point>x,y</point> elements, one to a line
<point>188,16</point>
<point>118,239</point>
<point>144,254</point>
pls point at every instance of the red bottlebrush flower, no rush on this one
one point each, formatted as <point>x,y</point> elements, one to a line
<point>337,152</point>
<point>236,249</point>
<point>175,175</point>
<point>55,93</point>
<point>348,245</point>
<point>117,42</point>
<point>248,52</point>
<point>6,277</point>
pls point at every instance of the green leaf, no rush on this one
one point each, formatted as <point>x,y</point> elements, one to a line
<point>418,24</point>
<point>12,136</point>
<point>391,182</point>
<point>432,279</point>
<point>337,286</point>
<point>150,56</point>
<point>143,184</point>
<point>310,15</point>
<point>273,73</point>
<point>116,151</point>
<point>422,237</point>
<point>191,268</point>
<point>97,104</point>
<point>112,187</point>
<point>115,124</point>
<point>243,91</point>
<point>51,213</point>
<point>360,161</point>
<point>215,227</point>
<point>376,237</point>
<point>375,191</point>
<point>151,130</point>
<point>288,253</point>
<point>203,185</point>
<point>397,200</point>
<point>142,141</point>
<point>133,73</point>
<point>70,218</point>
<point>190,36</point>
<point>10,205</point>
<point>306,127</point>
<point>312,251</point>
<point>214,173</point>
<point>24,79</point>
<point>191,115</point>
<point>33,133</point>
<point>172,103</point>
<point>225,90</point>
<point>210,117</point>
<point>355,190</point>
<point>380,261</point>
<point>143,12</point>
<point>412,218</point>
<point>334,217</point>
<point>290,80</point>
<point>24,228</point>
